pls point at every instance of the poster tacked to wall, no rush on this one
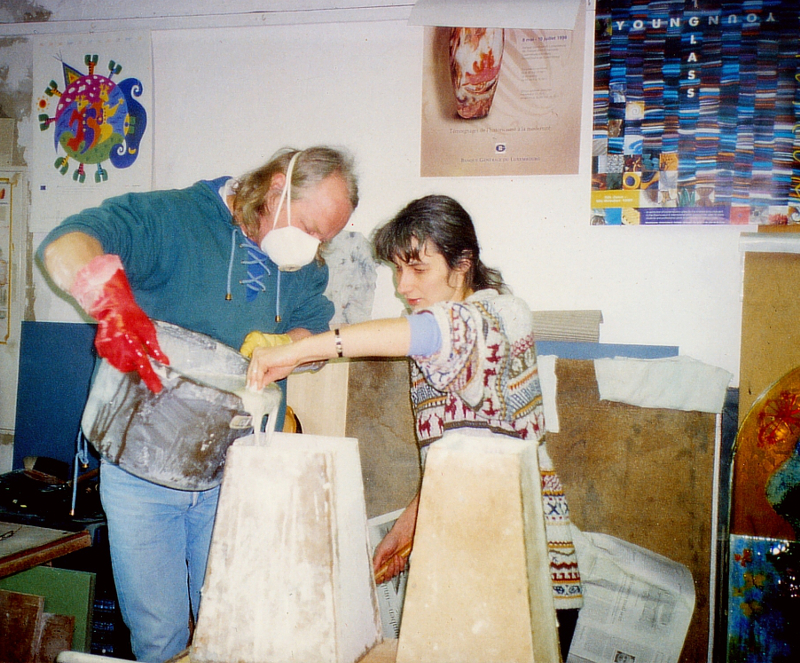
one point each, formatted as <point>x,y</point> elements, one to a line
<point>696,112</point>
<point>495,101</point>
<point>92,96</point>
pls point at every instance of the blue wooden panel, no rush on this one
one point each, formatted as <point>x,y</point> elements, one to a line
<point>56,361</point>
<point>586,350</point>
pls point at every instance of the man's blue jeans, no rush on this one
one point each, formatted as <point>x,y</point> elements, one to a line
<point>159,539</point>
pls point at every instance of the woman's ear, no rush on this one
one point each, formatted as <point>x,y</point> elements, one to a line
<point>459,272</point>
<point>463,271</point>
<point>465,263</point>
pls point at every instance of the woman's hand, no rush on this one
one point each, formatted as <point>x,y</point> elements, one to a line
<point>269,365</point>
<point>392,552</point>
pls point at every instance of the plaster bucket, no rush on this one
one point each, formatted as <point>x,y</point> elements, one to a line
<point>179,437</point>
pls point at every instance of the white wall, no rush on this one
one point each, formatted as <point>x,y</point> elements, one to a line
<point>226,98</point>
<point>359,85</point>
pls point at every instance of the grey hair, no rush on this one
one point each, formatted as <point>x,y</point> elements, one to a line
<point>313,165</point>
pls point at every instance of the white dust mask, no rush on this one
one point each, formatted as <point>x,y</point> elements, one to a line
<point>289,248</point>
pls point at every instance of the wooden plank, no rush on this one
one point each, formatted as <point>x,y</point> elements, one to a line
<point>385,652</point>
<point>19,617</point>
<point>65,592</point>
<point>379,416</point>
<point>770,334</point>
<point>26,546</point>
<point>54,635</point>
<point>320,399</point>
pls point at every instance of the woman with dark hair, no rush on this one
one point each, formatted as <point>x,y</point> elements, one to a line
<point>449,228</point>
<point>474,365</point>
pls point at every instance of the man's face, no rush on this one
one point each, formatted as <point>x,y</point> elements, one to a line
<point>322,212</point>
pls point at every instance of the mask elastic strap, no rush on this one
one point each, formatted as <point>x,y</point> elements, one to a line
<point>286,193</point>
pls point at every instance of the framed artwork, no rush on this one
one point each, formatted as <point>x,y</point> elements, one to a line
<point>762,600</point>
<point>764,555</point>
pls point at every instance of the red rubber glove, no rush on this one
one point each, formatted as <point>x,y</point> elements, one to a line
<point>125,335</point>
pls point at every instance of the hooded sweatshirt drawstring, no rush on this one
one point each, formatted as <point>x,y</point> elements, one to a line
<point>228,295</point>
<point>278,299</point>
<point>256,270</point>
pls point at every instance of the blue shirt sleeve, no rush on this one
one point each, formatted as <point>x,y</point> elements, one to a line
<point>426,337</point>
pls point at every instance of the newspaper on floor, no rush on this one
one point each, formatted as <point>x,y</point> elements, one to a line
<point>637,604</point>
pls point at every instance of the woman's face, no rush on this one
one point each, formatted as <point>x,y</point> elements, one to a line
<point>429,279</point>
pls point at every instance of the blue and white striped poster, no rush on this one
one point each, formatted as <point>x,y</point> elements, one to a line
<point>695,117</point>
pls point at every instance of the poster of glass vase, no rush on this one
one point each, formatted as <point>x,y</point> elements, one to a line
<point>502,101</point>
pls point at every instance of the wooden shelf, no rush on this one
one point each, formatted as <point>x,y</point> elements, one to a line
<point>28,546</point>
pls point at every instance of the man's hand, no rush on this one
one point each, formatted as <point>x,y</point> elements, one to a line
<point>125,336</point>
<point>257,339</point>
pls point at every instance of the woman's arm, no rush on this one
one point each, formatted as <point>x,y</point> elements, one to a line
<point>389,337</point>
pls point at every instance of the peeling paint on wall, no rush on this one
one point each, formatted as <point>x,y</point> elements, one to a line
<point>19,11</point>
<point>16,91</point>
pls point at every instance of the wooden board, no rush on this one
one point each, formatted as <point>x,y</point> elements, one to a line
<point>320,399</point>
<point>26,546</point>
<point>770,333</point>
<point>385,652</point>
<point>379,416</point>
<point>53,636</point>
<point>19,619</point>
<point>643,475</point>
<point>65,592</point>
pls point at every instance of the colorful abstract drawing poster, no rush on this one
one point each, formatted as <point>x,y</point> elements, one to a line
<point>527,124</point>
<point>92,98</point>
<point>763,588</point>
<point>695,112</point>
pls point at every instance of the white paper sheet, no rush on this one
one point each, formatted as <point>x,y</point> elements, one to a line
<point>534,14</point>
<point>678,383</point>
<point>549,385</point>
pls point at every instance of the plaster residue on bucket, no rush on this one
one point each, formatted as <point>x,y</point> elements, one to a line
<point>180,436</point>
<point>257,404</point>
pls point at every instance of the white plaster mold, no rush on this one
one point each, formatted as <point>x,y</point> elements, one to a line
<point>289,576</point>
